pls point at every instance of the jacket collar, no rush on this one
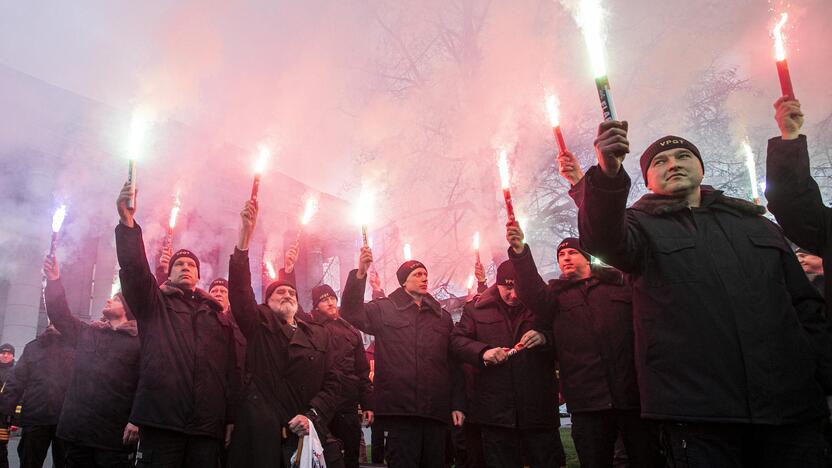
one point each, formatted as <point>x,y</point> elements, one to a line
<point>661,205</point>
<point>199,295</point>
<point>603,275</point>
<point>403,300</point>
<point>128,328</point>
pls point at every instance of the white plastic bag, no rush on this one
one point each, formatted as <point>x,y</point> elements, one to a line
<point>310,452</point>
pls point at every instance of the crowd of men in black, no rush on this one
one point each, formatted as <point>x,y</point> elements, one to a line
<point>707,345</point>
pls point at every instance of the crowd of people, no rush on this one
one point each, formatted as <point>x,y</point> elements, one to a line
<point>705,342</point>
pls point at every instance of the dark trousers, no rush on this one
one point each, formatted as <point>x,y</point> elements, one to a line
<point>81,456</point>
<point>714,445</point>
<point>595,432</point>
<point>35,443</point>
<point>346,427</point>
<point>377,444</point>
<point>4,454</point>
<point>159,448</point>
<point>414,442</point>
<point>515,448</point>
<point>473,446</point>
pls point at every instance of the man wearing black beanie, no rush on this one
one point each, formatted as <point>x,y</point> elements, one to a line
<point>587,315</point>
<point>357,388</point>
<point>733,349</point>
<point>188,380</point>
<point>295,369</point>
<point>514,398</point>
<point>418,389</point>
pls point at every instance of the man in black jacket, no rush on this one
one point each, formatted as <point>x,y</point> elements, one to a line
<point>94,418</point>
<point>589,315</point>
<point>6,371</point>
<point>417,389</point>
<point>39,383</point>
<point>357,388</point>
<point>295,369</point>
<point>795,200</point>
<point>732,345</point>
<point>188,377</point>
<point>514,398</point>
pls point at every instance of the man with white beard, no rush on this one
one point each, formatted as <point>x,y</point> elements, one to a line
<point>295,369</point>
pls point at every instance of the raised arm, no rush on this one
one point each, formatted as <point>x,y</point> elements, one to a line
<point>138,285</point>
<point>56,306</point>
<point>794,197</point>
<point>240,293</point>
<point>364,317</point>
<point>601,196</point>
<point>531,289</point>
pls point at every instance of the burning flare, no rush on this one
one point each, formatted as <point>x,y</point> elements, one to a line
<point>553,109</point>
<point>590,19</point>
<point>174,212</point>
<point>408,253</point>
<point>477,240</point>
<point>309,210</point>
<point>779,44</point>
<point>751,165</point>
<point>270,270</point>
<point>263,155</point>
<point>139,128</point>
<point>502,165</point>
<point>472,280</point>
<point>58,218</point>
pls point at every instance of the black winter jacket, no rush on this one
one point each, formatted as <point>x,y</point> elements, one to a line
<point>520,393</point>
<point>289,372</point>
<point>415,374</point>
<point>100,395</point>
<point>357,388</point>
<point>727,327</point>
<point>795,201</point>
<point>188,380</point>
<point>40,380</point>
<point>591,322</point>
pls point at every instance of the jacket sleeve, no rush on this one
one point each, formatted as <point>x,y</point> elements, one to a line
<point>338,362</point>
<point>481,287</point>
<point>793,195</point>
<point>810,308</point>
<point>534,292</point>
<point>459,400</point>
<point>138,285</point>
<point>364,317</point>
<point>378,294</point>
<point>362,371</point>
<point>464,346</point>
<point>58,311</point>
<point>241,295</point>
<point>606,229</point>
<point>161,274</point>
<point>233,378</point>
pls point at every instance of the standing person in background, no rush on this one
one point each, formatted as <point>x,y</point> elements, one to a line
<point>813,267</point>
<point>94,420</point>
<point>6,371</point>
<point>39,382</point>
<point>188,380</point>
<point>513,399</point>
<point>357,389</point>
<point>418,388</point>
<point>588,314</point>
<point>295,369</point>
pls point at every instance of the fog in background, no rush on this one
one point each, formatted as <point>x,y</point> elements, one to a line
<point>410,99</point>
